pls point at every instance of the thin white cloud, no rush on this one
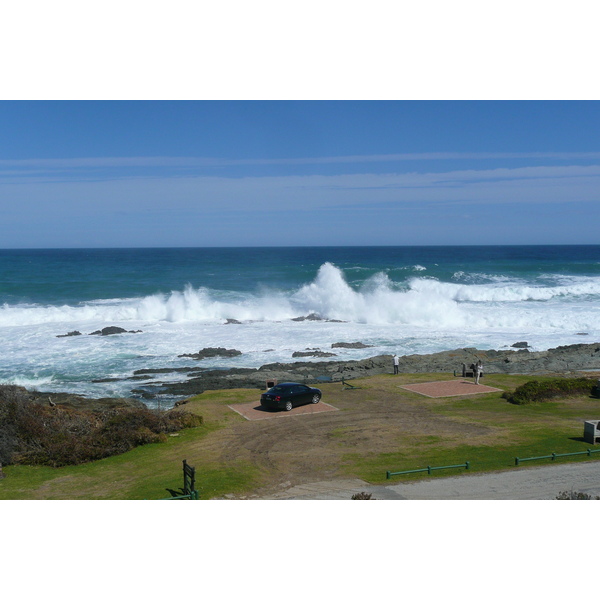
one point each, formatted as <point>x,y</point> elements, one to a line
<point>199,162</point>
<point>210,195</point>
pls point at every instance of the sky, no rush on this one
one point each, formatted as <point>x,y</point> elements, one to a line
<point>291,124</point>
<point>295,173</point>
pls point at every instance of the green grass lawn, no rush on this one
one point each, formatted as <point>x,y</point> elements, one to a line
<point>521,431</point>
<point>501,432</point>
<point>142,473</point>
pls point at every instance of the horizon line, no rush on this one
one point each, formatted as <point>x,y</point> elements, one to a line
<point>294,246</point>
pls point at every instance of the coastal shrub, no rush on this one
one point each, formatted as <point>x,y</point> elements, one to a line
<point>12,404</point>
<point>571,495</point>
<point>176,420</point>
<point>8,445</point>
<point>543,391</point>
<point>361,496</point>
<point>38,434</point>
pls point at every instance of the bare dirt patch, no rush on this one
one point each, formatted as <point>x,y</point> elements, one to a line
<point>447,389</point>
<point>253,411</point>
<point>379,417</point>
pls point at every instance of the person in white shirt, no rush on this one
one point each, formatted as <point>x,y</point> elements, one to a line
<point>478,371</point>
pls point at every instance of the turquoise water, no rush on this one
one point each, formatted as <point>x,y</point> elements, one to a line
<point>71,276</point>
<point>397,299</point>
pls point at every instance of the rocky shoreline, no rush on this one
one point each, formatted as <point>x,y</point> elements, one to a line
<point>561,360</point>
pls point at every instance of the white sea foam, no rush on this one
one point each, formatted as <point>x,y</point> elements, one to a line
<point>420,302</point>
<point>419,316</point>
<point>504,291</point>
<point>479,278</point>
<point>31,383</point>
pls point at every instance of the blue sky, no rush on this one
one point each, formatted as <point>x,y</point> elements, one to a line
<point>263,173</point>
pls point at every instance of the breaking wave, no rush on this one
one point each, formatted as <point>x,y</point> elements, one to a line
<point>420,301</point>
<point>504,290</point>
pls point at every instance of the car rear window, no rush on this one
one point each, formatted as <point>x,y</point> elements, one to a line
<point>278,389</point>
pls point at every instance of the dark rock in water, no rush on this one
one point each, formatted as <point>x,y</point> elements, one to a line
<point>144,394</point>
<point>210,380</point>
<point>350,345</point>
<point>211,353</point>
<point>116,379</point>
<point>316,317</point>
<point>109,331</point>
<point>113,331</point>
<point>311,317</point>
<point>315,353</point>
<point>233,322</point>
<point>520,345</point>
<point>70,334</point>
<point>141,372</point>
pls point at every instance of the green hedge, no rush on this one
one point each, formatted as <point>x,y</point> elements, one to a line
<point>543,391</point>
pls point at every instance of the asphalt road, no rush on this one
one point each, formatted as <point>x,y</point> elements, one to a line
<point>520,483</point>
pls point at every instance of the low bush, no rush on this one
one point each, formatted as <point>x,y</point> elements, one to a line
<point>543,391</point>
<point>12,406</point>
<point>571,495</point>
<point>36,434</point>
<point>361,496</point>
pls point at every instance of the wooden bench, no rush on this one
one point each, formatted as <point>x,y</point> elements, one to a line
<point>329,379</point>
<point>468,372</point>
<point>349,386</point>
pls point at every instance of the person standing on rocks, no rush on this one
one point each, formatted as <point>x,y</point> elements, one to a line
<point>396,363</point>
<point>478,371</point>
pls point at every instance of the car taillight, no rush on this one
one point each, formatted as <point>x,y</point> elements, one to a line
<point>277,398</point>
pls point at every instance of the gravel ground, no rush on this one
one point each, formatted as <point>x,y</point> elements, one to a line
<point>529,483</point>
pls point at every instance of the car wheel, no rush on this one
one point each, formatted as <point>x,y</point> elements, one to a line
<point>288,405</point>
<point>316,398</point>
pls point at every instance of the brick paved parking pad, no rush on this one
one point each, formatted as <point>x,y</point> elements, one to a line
<point>253,411</point>
<point>444,389</point>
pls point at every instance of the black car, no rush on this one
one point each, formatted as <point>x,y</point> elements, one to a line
<point>284,396</point>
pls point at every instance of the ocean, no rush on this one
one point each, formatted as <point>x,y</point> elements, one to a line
<point>404,300</point>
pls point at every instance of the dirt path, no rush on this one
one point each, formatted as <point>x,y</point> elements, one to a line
<point>372,420</point>
<point>294,449</point>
